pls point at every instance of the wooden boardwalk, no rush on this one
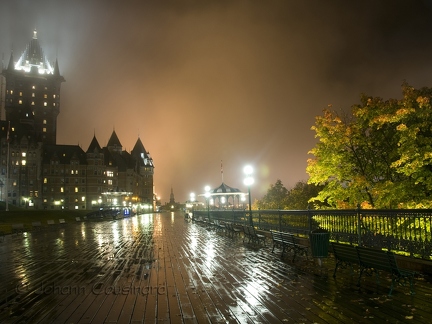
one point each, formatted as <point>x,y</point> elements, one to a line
<point>159,268</point>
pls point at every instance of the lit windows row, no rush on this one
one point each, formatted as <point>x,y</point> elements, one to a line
<point>23,154</point>
<point>11,92</point>
<point>20,102</point>
<point>76,189</point>
<point>64,180</point>
<point>59,168</point>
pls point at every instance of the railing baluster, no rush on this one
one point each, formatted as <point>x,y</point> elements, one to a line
<point>404,230</point>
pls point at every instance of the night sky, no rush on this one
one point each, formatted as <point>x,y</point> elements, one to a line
<point>205,81</point>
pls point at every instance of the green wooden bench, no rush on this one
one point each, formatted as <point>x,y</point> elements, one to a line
<point>251,234</point>
<point>288,242</point>
<point>345,255</point>
<point>372,260</point>
<point>232,229</point>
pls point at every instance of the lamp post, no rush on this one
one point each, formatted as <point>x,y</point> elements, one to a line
<point>248,181</point>
<point>192,198</point>
<point>207,196</point>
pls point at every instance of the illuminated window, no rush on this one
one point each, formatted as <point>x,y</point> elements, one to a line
<point>110,173</point>
<point>76,189</point>
<point>45,180</point>
<point>110,182</point>
<point>20,93</point>
<point>44,129</point>
<point>23,162</point>
<point>11,92</point>
<point>54,104</point>
<point>45,104</point>
<point>61,189</point>
<point>54,96</point>
<point>45,96</point>
<point>33,94</point>
<point>44,122</point>
<point>20,102</point>
<point>23,154</point>
<point>33,87</point>
<point>32,103</point>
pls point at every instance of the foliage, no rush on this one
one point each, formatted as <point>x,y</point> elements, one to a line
<point>378,157</point>
<point>301,195</point>
<point>275,198</point>
<point>279,197</point>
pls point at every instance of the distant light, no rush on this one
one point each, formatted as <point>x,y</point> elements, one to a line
<point>207,191</point>
<point>248,170</point>
<point>249,181</point>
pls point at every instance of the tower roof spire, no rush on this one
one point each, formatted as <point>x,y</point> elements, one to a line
<point>56,68</point>
<point>11,63</point>
<point>114,142</point>
<point>33,58</point>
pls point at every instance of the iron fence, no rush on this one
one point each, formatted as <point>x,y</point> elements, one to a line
<point>408,231</point>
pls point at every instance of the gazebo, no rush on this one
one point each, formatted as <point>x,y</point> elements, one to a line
<point>225,196</point>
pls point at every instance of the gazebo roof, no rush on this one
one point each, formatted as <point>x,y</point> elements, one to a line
<point>223,188</point>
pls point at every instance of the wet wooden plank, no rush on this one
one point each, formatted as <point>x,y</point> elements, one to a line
<point>189,274</point>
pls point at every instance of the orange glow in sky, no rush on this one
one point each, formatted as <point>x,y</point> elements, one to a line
<point>205,81</point>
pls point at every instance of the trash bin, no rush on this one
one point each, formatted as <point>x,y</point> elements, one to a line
<point>319,241</point>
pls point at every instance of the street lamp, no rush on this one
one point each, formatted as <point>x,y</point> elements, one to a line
<point>207,196</point>
<point>192,198</point>
<point>248,181</point>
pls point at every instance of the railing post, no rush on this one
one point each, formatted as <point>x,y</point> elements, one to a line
<point>259,218</point>
<point>309,218</point>
<point>359,225</point>
<point>280,220</point>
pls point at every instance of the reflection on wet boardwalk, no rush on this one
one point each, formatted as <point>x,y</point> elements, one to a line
<point>160,268</point>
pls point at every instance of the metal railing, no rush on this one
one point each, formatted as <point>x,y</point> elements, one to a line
<point>402,230</point>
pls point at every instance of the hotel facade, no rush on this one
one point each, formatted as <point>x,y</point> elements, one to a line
<point>36,172</point>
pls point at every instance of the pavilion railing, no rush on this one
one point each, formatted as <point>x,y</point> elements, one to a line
<point>403,230</point>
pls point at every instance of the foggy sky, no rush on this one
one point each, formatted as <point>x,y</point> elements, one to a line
<point>205,81</point>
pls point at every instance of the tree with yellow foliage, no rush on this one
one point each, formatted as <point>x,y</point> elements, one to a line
<point>379,156</point>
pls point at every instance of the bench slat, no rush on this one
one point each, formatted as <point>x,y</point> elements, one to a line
<point>371,260</point>
<point>252,235</point>
<point>288,242</point>
<point>345,255</point>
